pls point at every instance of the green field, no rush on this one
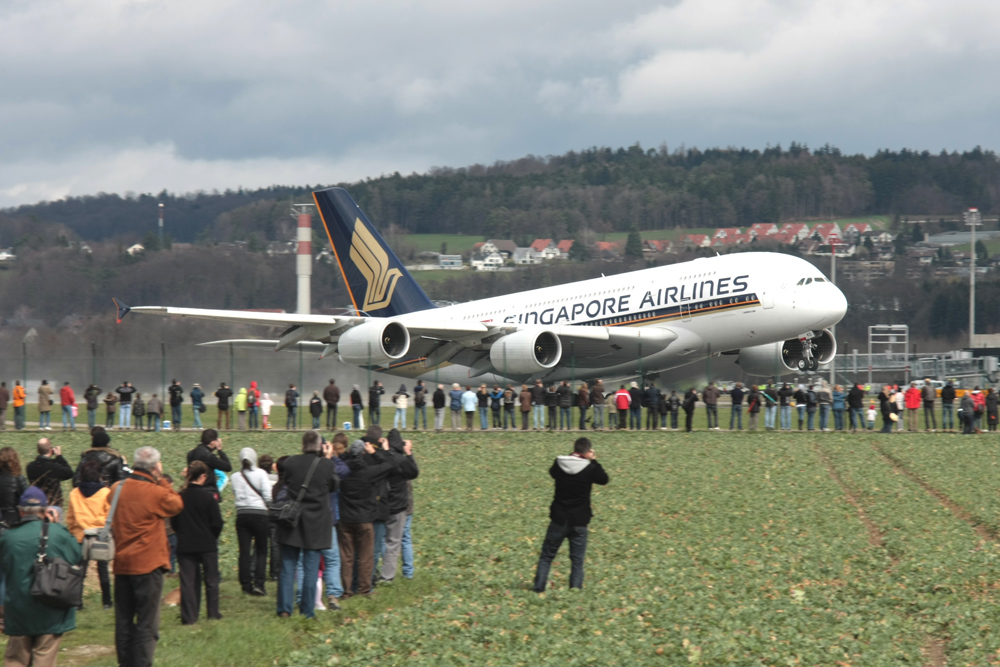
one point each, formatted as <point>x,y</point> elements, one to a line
<point>709,548</point>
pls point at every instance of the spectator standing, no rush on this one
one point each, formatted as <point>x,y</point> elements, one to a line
<point>570,512</point>
<point>223,394</point>
<point>48,471</point>
<point>402,401</point>
<point>597,403</point>
<point>420,404</point>
<point>331,394</point>
<point>154,414</point>
<point>45,406</point>
<point>398,485</point>
<point>538,405</point>
<point>368,468</point>
<point>623,400</point>
<point>439,400</point>
<point>198,526</point>
<point>357,406</point>
<point>12,485</point>
<point>209,451</point>
<point>109,460</point>
<point>4,400</point>
<point>582,403</point>
<point>979,407</point>
<point>690,400</point>
<point>93,397</point>
<point>67,399</point>
<point>824,398</point>
<point>651,401</point>
<point>913,398</point>
<point>240,405</point>
<point>455,405</point>
<point>18,398</point>
<point>292,405</point>
<point>469,404</point>
<point>496,406</point>
<point>176,400</point>
<point>770,402</point>
<point>34,629</point>
<point>899,396</point>
<point>812,405</point>
<point>142,554</point>
<point>736,395</point>
<point>253,406</point>
<point>197,404</point>
<point>124,392</point>
<point>711,398</point>
<point>565,393</point>
<point>674,408</point>
<point>375,393</point>
<point>524,400</point>
<point>991,409</point>
<point>483,398</point>
<point>855,404</point>
<point>966,412</point>
<point>316,410</point>
<point>509,398</point>
<point>887,406</point>
<point>753,407</point>
<point>929,395</point>
<point>948,406</point>
<point>88,507</point>
<point>839,405</point>
<point>265,409</point>
<point>109,404</point>
<point>635,407</point>
<point>789,398</point>
<point>138,410</point>
<point>314,531</point>
<point>552,404</point>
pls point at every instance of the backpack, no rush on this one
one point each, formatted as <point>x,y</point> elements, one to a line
<point>251,399</point>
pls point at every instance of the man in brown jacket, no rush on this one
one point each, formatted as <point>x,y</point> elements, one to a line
<point>142,555</point>
<point>525,399</point>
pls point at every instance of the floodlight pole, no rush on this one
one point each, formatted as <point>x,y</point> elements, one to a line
<point>972,219</point>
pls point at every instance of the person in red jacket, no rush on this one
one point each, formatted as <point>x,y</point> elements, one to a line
<point>913,398</point>
<point>68,400</point>
<point>978,406</point>
<point>623,400</point>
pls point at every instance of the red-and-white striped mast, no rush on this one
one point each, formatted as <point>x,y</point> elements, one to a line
<point>303,258</point>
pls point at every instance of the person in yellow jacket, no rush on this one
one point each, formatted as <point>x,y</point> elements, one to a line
<point>19,397</point>
<point>240,403</point>
<point>89,504</point>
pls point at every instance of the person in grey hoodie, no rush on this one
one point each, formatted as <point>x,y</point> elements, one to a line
<point>252,492</point>
<point>570,512</point>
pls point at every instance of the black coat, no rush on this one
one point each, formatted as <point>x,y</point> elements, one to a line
<point>359,493</point>
<point>638,398</point>
<point>315,529</point>
<point>856,398</point>
<point>565,396</point>
<point>571,504</point>
<point>398,480</point>
<point>11,489</point>
<point>48,474</point>
<point>199,524</point>
<point>439,399</point>
<point>948,394</point>
<point>216,461</point>
<point>112,465</point>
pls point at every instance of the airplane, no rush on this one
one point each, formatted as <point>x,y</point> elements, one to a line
<point>772,310</point>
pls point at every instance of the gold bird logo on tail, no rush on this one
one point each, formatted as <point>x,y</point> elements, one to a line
<point>373,262</point>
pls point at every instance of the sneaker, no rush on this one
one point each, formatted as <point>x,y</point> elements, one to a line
<point>332,603</point>
<point>257,591</point>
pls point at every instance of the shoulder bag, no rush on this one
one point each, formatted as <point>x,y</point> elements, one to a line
<point>99,543</point>
<point>56,583</point>
<point>288,513</point>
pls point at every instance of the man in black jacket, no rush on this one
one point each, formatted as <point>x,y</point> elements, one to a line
<point>314,531</point>
<point>439,399</point>
<point>176,392</point>
<point>48,471</point>
<point>538,405</point>
<point>565,394</point>
<point>855,403</point>
<point>111,460</point>
<point>948,407</point>
<point>358,499</point>
<point>375,393</point>
<point>398,501</point>
<point>570,512</point>
<point>210,453</point>
<point>635,407</point>
<point>223,393</point>
<point>332,397</point>
<point>652,404</point>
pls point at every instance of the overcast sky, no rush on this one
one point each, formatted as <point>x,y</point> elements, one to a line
<point>132,95</point>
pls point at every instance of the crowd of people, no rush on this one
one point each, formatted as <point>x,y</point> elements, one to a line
<point>352,533</point>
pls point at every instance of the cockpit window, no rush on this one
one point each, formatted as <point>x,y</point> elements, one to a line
<point>801,281</point>
<point>808,280</point>
<point>820,280</point>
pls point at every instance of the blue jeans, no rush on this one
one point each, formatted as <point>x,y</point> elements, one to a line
<point>379,547</point>
<point>91,417</point>
<point>399,420</point>
<point>736,417</point>
<point>802,415</point>
<point>786,418</point>
<point>554,536</point>
<point>948,416</point>
<point>44,419</point>
<point>125,415</point>
<point>770,412</point>
<point>712,413</point>
<point>254,418</point>
<point>331,572</point>
<point>812,418</point>
<point>196,411</point>
<point>286,581</point>
<point>484,418</point>
<point>539,416</point>
<point>19,417</point>
<point>886,424</point>
<point>824,416</point>
<point>406,554</point>
<point>357,415</point>
<point>418,412</point>
<point>374,415</point>
<point>635,418</point>
<point>175,416</point>
<point>838,418</point>
<point>290,419</point>
<point>858,414</point>
<point>315,423</point>
<point>508,415</point>
<point>564,420</point>
<point>68,416</point>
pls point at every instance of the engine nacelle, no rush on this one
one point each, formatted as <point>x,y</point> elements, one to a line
<point>526,352</point>
<point>784,358</point>
<point>374,342</point>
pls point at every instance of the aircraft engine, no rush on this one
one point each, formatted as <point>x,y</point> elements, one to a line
<point>374,342</point>
<point>526,352</point>
<point>783,358</point>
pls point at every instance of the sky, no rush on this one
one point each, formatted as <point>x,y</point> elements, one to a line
<point>187,95</point>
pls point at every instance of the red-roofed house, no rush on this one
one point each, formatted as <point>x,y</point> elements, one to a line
<point>545,249</point>
<point>743,239</point>
<point>563,248</point>
<point>799,230</point>
<point>696,240</point>
<point>856,230</point>
<point>783,237</point>
<point>763,229</point>
<point>607,250</point>
<point>539,245</point>
<point>725,233</point>
<point>655,247</point>
<point>827,231</point>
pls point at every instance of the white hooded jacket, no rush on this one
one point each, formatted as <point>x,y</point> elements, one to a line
<point>251,486</point>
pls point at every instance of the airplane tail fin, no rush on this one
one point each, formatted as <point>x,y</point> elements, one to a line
<point>378,282</point>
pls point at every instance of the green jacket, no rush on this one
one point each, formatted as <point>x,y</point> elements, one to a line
<point>24,616</point>
<point>241,401</point>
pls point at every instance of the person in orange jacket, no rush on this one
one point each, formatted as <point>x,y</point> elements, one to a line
<point>18,397</point>
<point>68,400</point>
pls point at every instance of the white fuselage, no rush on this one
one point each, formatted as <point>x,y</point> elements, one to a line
<point>713,304</point>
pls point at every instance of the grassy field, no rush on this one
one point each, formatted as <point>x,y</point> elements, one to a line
<point>709,548</point>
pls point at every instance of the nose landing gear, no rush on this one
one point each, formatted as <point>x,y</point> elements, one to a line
<point>808,361</point>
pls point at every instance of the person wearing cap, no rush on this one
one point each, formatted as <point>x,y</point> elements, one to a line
<point>197,403</point>
<point>111,461</point>
<point>34,630</point>
<point>142,555</point>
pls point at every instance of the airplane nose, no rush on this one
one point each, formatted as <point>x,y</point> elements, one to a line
<point>838,303</point>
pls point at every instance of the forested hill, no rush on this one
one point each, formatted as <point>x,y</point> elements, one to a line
<point>601,189</point>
